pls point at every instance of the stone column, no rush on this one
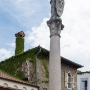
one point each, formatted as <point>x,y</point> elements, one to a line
<point>54,57</point>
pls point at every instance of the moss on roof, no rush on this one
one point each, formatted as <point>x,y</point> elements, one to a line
<point>80,73</point>
<point>11,64</point>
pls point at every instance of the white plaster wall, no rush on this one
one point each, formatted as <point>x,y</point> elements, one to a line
<point>82,76</point>
<point>16,85</point>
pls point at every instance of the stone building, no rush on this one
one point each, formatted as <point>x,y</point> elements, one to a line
<point>23,66</point>
<point>68,73</point>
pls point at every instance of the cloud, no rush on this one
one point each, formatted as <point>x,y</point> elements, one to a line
<point>11,44</point>
<point>39,35</point>
<point>24,12</point>
<point>19,9</point>
<point>4,53</point>
<point>75,37</point>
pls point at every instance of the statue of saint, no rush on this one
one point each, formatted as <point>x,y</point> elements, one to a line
<point>57,7</point>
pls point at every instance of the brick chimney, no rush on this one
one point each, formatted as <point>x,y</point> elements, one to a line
<point>19,42</point>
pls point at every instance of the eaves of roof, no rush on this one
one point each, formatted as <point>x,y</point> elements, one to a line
<point>10,78</point>
<point>70,63</point>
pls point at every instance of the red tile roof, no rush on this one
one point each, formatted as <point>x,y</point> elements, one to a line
<point>6,76</point>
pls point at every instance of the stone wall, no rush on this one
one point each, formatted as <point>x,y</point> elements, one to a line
<point>29,71</point>
<point>43,78</point>
<point>66,68</point>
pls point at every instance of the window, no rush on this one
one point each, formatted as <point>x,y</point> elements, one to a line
<point>69,84</point>
<point>84,84</point>
<point>69,80</point>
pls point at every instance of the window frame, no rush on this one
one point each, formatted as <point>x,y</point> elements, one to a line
<point>68,81</point>
<point>81,80</point>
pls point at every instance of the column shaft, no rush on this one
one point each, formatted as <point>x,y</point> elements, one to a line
<point>55,64</point>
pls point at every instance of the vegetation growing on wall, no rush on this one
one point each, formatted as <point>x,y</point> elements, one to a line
<point>83,72</point>
<point>46,69</point>
<point>19,45</point>
<point>19,75</point>
<point>19,72</point>
<point>13,63</point>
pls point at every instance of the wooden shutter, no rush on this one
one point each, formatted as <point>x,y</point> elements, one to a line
<point>65,79</point>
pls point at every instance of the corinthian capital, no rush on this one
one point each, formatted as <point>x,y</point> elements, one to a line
<point>55,26</point>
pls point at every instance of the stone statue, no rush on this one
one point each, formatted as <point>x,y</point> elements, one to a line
<point>57,7</point>
<point>55,22</point>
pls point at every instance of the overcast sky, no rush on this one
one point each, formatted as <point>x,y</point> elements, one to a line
<point>31,16</point>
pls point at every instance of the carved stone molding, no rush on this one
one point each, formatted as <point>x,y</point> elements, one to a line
<point>55,26</point>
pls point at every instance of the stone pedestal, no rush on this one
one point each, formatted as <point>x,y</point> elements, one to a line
<point>54,57</point>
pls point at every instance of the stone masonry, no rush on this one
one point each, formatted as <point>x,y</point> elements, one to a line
<point>43,80</point>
